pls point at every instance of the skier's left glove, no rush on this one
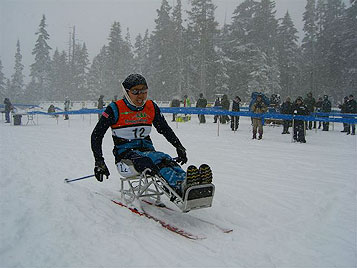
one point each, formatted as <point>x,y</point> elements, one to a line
<point>182,157</point>
<point>101,170</point>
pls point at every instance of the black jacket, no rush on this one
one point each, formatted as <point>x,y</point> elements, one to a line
<point>225,103</point>
<point>310,103</point>
<point>286,108</point>
<point>300,110</point>
<point>175,103</point>
<point>351,107</point>
<point>235,106</point>
<point>326,106</point>
<point>109,119</point>
<point>8,105</point>
<point>201,103</point>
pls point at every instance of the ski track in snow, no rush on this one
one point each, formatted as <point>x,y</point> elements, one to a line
<point>290,205</point>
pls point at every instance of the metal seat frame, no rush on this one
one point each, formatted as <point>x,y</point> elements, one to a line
<point>145,184</point>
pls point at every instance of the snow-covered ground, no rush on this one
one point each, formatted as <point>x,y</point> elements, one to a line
<point>290,204</point>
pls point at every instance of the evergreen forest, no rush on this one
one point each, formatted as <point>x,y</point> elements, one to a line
<point>255,51</point>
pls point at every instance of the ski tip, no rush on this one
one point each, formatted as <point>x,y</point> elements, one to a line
<point>66,180</point>
<point>227,231</point>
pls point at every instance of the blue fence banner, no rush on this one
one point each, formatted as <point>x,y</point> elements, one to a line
<point>322,117</point>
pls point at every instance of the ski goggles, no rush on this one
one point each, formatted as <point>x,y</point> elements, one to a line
<point>138,91</point>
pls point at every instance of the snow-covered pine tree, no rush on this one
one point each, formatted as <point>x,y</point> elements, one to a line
<point>40,69</point>
<point>189,69</point>
<point>141,54</point>
<point>128,56</point>
<point>204,32</point>
<point>330,64</point>
<point>309,47</point>
<point>97,83</point>
<point>178,40</point>
<point>263,34</point>
<point>349,49</point>
<point>79,73</point>
<point>118,60</point>
<point>237,47</point>
<point>259,71</point>
<point>3,92</point>
<point>162,55</point>
<point>17,79</point>
<point>59,86</point>
<point>288,56</point>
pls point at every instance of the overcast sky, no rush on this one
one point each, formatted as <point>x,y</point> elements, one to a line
<point>19,19</point>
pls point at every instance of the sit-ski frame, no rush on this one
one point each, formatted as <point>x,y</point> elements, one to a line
<point>147,185</point>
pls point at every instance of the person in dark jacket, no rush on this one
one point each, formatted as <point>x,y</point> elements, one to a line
<point>343,108</point>
<point>299,108</point>
<point>235,108</point>
<point>8,109</point>
<point>351,109</point>
<point>217,103</point>
<point>101,104</point>
<point>325,108</point>
<point>286,108</point>
<point>175,103</point>
<point>318,107</point>
<point>310,104</point>
<point>201,103</point>
<point>225,106</point>
<point>131,119</point>
<point>67,106</point>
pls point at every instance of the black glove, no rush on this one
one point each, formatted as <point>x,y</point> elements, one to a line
<point>182,157</point>
<point>100,170</point>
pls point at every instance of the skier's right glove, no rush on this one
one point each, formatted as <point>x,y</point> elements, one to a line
<point>182,157</point>
<point>100,170</point>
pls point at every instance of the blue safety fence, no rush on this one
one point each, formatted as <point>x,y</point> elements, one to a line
<point>322,117</point>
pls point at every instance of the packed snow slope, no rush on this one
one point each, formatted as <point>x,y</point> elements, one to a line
<point>290,204</point>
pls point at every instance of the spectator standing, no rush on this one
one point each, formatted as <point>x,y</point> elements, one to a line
<point>352,109</point>
<point>258,107</point>
<point>67,104</point>
<point>286,108</point>
<point>343,108</point>
<point>100,105</point>
<point>175,103</point>
<point>310,103</point>
<point>8,109</point>
<point>225,106</point>
<point>318,107</point>
<point>186,101</point>
<point>52,109</point>
<point>217,103</point>
<point>201,103</point>
<point>299,125</point>
<point>235,108</point>
<point>325,108</point>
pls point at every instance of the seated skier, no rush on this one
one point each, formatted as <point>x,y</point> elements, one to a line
<point>131,119</point>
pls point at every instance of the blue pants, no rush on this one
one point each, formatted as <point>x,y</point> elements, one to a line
<point>160,163</point>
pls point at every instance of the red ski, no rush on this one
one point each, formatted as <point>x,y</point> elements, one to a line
<point>223,229</point>
<point>162,222</point>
